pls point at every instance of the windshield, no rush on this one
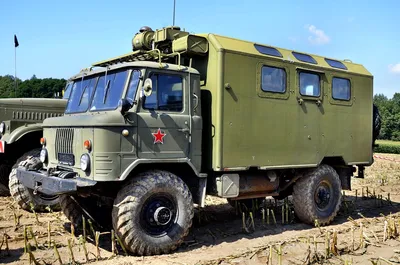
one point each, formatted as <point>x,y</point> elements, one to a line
<point>101,92</point>
<point>81,93</point>
<point>109,91</point>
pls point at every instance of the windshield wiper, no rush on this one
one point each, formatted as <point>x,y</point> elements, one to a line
<point>106,91</point>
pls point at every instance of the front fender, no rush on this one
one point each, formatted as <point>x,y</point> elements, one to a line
<point>138,162</point>
<point>18,133</point>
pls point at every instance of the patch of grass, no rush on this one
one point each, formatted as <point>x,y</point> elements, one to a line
<point>387,142</point>
<point>388,147</point>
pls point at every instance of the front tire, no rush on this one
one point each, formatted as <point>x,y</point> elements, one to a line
<point>317,195</point>
<point>75,207</point>
<point>24,196</point>
<point>153,213</point>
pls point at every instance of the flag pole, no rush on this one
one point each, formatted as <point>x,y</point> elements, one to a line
<point>16,44</point>
<point>173,16</point>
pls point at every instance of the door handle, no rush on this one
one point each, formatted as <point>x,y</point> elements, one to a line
<point>185,130</point>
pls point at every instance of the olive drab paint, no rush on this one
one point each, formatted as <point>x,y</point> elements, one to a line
<point>237,125</point>
<point>185,115</point>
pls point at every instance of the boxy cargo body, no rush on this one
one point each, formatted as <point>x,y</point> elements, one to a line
<point>204,114</point>
<point>268,130</point>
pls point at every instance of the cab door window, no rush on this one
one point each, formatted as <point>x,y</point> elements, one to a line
<point>167,93</point>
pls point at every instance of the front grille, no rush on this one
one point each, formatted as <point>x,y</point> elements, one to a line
<point>64,141</point>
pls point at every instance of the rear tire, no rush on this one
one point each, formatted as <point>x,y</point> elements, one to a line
<point>24,196</point>
<point>153,213</point>
<point>317,195</point>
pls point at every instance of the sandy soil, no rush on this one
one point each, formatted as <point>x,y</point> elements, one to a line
<point>218,236</point>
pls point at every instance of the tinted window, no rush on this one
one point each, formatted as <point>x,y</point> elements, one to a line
<point>81,94</point>
<point>341,88</point>
<point>304,57</point>
<point>309,84</point>
<point>133,84</point>
<point>109,91</point>
<point>273,79</point>
<point>336,64</point>
<point>167,93</point>
<point>267,50</point>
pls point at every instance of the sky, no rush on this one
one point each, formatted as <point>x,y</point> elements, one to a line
<point>59,38</point>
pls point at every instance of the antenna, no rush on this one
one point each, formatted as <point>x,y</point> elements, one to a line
<point>173,16</point>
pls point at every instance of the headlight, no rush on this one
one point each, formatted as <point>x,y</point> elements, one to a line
<point>85,162</point>
<point>2,128</point>
<point>43,155</point>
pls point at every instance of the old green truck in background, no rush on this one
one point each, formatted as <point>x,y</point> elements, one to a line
<point>20,131</point>
<point>147,134</point>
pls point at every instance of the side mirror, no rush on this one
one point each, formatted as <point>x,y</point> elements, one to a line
<point>147,87</point>
<point>124,105</point>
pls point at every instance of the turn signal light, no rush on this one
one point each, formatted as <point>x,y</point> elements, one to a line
<point>42,141</point>
<point>87,144</point>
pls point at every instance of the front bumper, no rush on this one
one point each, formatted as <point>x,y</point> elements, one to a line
<point>39,181</point>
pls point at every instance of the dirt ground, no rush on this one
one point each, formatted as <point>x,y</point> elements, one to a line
<point>357,235</point>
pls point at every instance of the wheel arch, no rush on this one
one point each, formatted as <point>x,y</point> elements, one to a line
<point>23,143</point>
<point>344,171</point>
<point>184,169</point>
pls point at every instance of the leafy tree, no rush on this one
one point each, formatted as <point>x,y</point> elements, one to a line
<point>33,87</point>
<point>390,113</point>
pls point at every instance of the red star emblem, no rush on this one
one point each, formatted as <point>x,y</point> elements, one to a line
<point>158,136</point>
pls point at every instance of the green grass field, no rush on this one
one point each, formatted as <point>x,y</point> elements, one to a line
<point>387,142</point>
<point>390,147</point>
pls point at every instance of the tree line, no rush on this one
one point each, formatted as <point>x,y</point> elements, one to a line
<point>31,88</point>
<point>389,110</point>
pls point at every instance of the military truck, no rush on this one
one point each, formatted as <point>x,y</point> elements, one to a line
<point>20,127</point>
<point>148,134</point>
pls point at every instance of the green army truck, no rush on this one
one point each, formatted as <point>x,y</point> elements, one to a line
<point>148,134</point>
<point>20,127</point>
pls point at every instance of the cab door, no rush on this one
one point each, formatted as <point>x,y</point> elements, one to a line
<point>163,118</point>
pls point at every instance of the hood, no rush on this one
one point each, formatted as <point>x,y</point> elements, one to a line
<point>40,103</point>
<point>95,119</point>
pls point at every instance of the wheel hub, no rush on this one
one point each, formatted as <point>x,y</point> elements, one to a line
<point>158,214</point>
<point>162,215</point>
<point>323,195</point>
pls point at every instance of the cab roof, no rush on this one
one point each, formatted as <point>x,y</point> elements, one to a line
<point>138,64</point>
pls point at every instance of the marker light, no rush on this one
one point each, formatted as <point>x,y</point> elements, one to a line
<point>43,141</point>
<point>87,144</point>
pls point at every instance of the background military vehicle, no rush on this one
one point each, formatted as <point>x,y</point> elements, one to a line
<point>20,128</point>
<point>147,134</point>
